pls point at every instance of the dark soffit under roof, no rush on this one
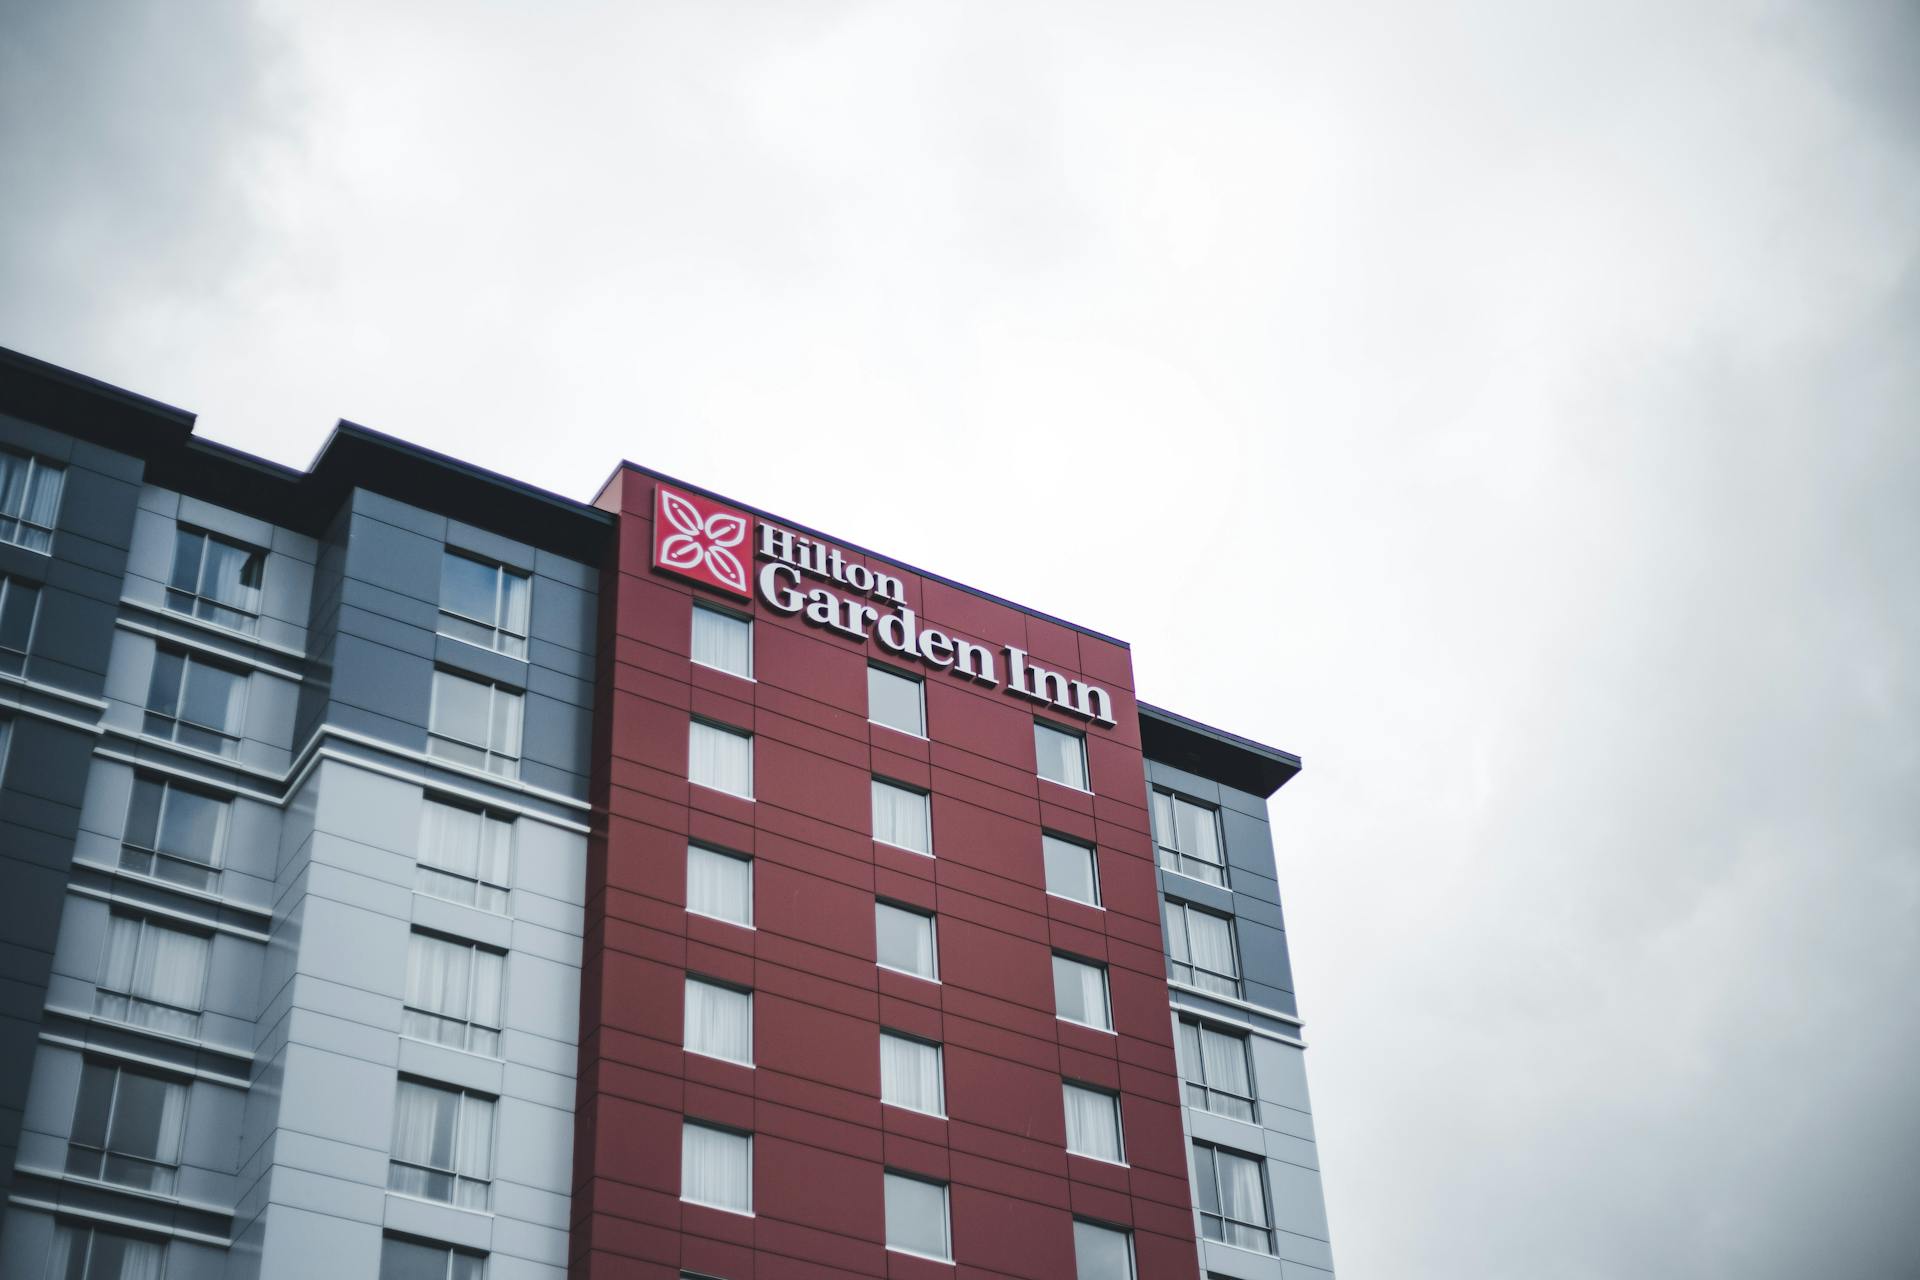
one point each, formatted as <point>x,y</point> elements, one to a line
<point>1214,753</point>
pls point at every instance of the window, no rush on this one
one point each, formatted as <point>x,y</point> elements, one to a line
<point>719,885</point>
<point>195,703</point>
<point>406,1260</point>
<point>1062,755</point>
<point>29,500</point>
<point>910,1074</point>
<point>19,602</point>
<point>904,940</point>
<point>173,833</point>
<point>1080,992</point>
<point>1188,836</point>
<point>900,817</point>
<point>896,701</point>
<point>453,994</point>
<point>1070,869</point>
<point>1093,1123</point>
<point>91,1253</point>
<point>475,723</point>
<point>442,1144</point>
<point>465,856</point>
<point>1215,1067</point>
<point>720,758</point>
<point>216,579</point>
<point>719,1021</point>
<point>127,1127</point>
<point>716,1167</point>
<point>484,604</point>
<point>1232,1192</point>
<point>1200,949</point>
<point>1101,1253</point>
<point>6,742</point>
<point>153,976</point>
<point>917,1217</point>
<point>722,640</point>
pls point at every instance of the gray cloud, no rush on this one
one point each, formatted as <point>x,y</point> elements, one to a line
<point>1510,409</point>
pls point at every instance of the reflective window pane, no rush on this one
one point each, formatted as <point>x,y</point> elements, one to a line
<point>896,701</point>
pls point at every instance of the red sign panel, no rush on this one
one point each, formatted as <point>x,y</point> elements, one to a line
<point>700,539</point>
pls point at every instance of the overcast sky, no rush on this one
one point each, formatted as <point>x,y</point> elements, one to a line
<point>1512,408</point>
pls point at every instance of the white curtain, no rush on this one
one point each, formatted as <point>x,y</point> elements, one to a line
<point>722,640</point>
<point>460,708</point>
<point>439,976</point>
<point>1080,992</point>
<point>1093,1123</point>
<point>473,1151</point>
<point>900,817</point>
<point>423,1119</point>
<point>112,1257</point>
<point>1240,1194</point>
<point>910,1074</point>
<point>719,1021</point>
<point>231,575</point>
<point>167,966</point>
<point>1224,1059</point>
<point>905,940</point>
<point>1061,755</point>
<point>506,724</point>
<point>1197,834</point>
<point>1069,869</point>
<point>43,497</point>
<point>450,838</point>
<point>719,885</point>
<point>516,593</point>
<point>1211,938</point>
<point>720,758</point>
<point>716,1167</point>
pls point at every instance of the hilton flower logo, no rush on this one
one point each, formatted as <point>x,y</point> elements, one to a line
<point>700,540</point>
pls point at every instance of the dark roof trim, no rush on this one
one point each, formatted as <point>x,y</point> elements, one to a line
<point>352,457</point>
<point>1214,753</point>
<point>811,532</point>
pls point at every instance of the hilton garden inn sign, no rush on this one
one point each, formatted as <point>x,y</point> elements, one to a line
<point>707,542</point>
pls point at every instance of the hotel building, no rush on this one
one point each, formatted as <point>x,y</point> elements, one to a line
<point>411,873</point>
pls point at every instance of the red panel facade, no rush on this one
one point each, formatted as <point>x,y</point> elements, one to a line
<point>822,1138</point>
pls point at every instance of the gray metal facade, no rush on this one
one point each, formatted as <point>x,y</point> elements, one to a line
<point>288,1062</point>
<point>1265,1017</point>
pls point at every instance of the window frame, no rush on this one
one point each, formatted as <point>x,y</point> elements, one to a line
<point>1196,1145</point>
<point>1186,911</point>
<point>714,610</point>
<point>1085,785</point>
<point>933,938</point>
<point>426,874</point>
<point>154,854</point>
<point>700,847</point>
<point>919,695</point>
<point>197,603</point>
<point>452,1252</point>
<point>1112,1096</point>
<point>228,745</point>
<point>489,753</point>
<point>1106,991</point>
<point>516,643</point>
<point>164,1173</point>
<point>104,990</point>
<point>926,809</point>
<point>686,1017</point>
<point>466,1098</point>
<point>695,723</point>
<point>1207,1088</point>
<point>474,1033</point>
<point>940,1072</point>
<point>888,1175</point>
<point>1125,1234</point>
<point>1093,868</point>
<point>12,523</point>
<point>692,1122</point>
<point>10,587</point>
<point>1167,853</point>
<point>89,1232</point>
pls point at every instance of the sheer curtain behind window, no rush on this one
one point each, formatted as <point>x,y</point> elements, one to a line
<point>719,885</point>
<point>722,641</point>
<point>716,1168</point>
<point>151,963</point>
<point>719,1021</point>
<point>1211,938</point>
<point>900,817</point>
<point>1080,992</point>
<point>720,758</point>
<point>910,1074</point>
<point>1093,1123</point>
<point>82,1254</point>
<point>1241,1198</point>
